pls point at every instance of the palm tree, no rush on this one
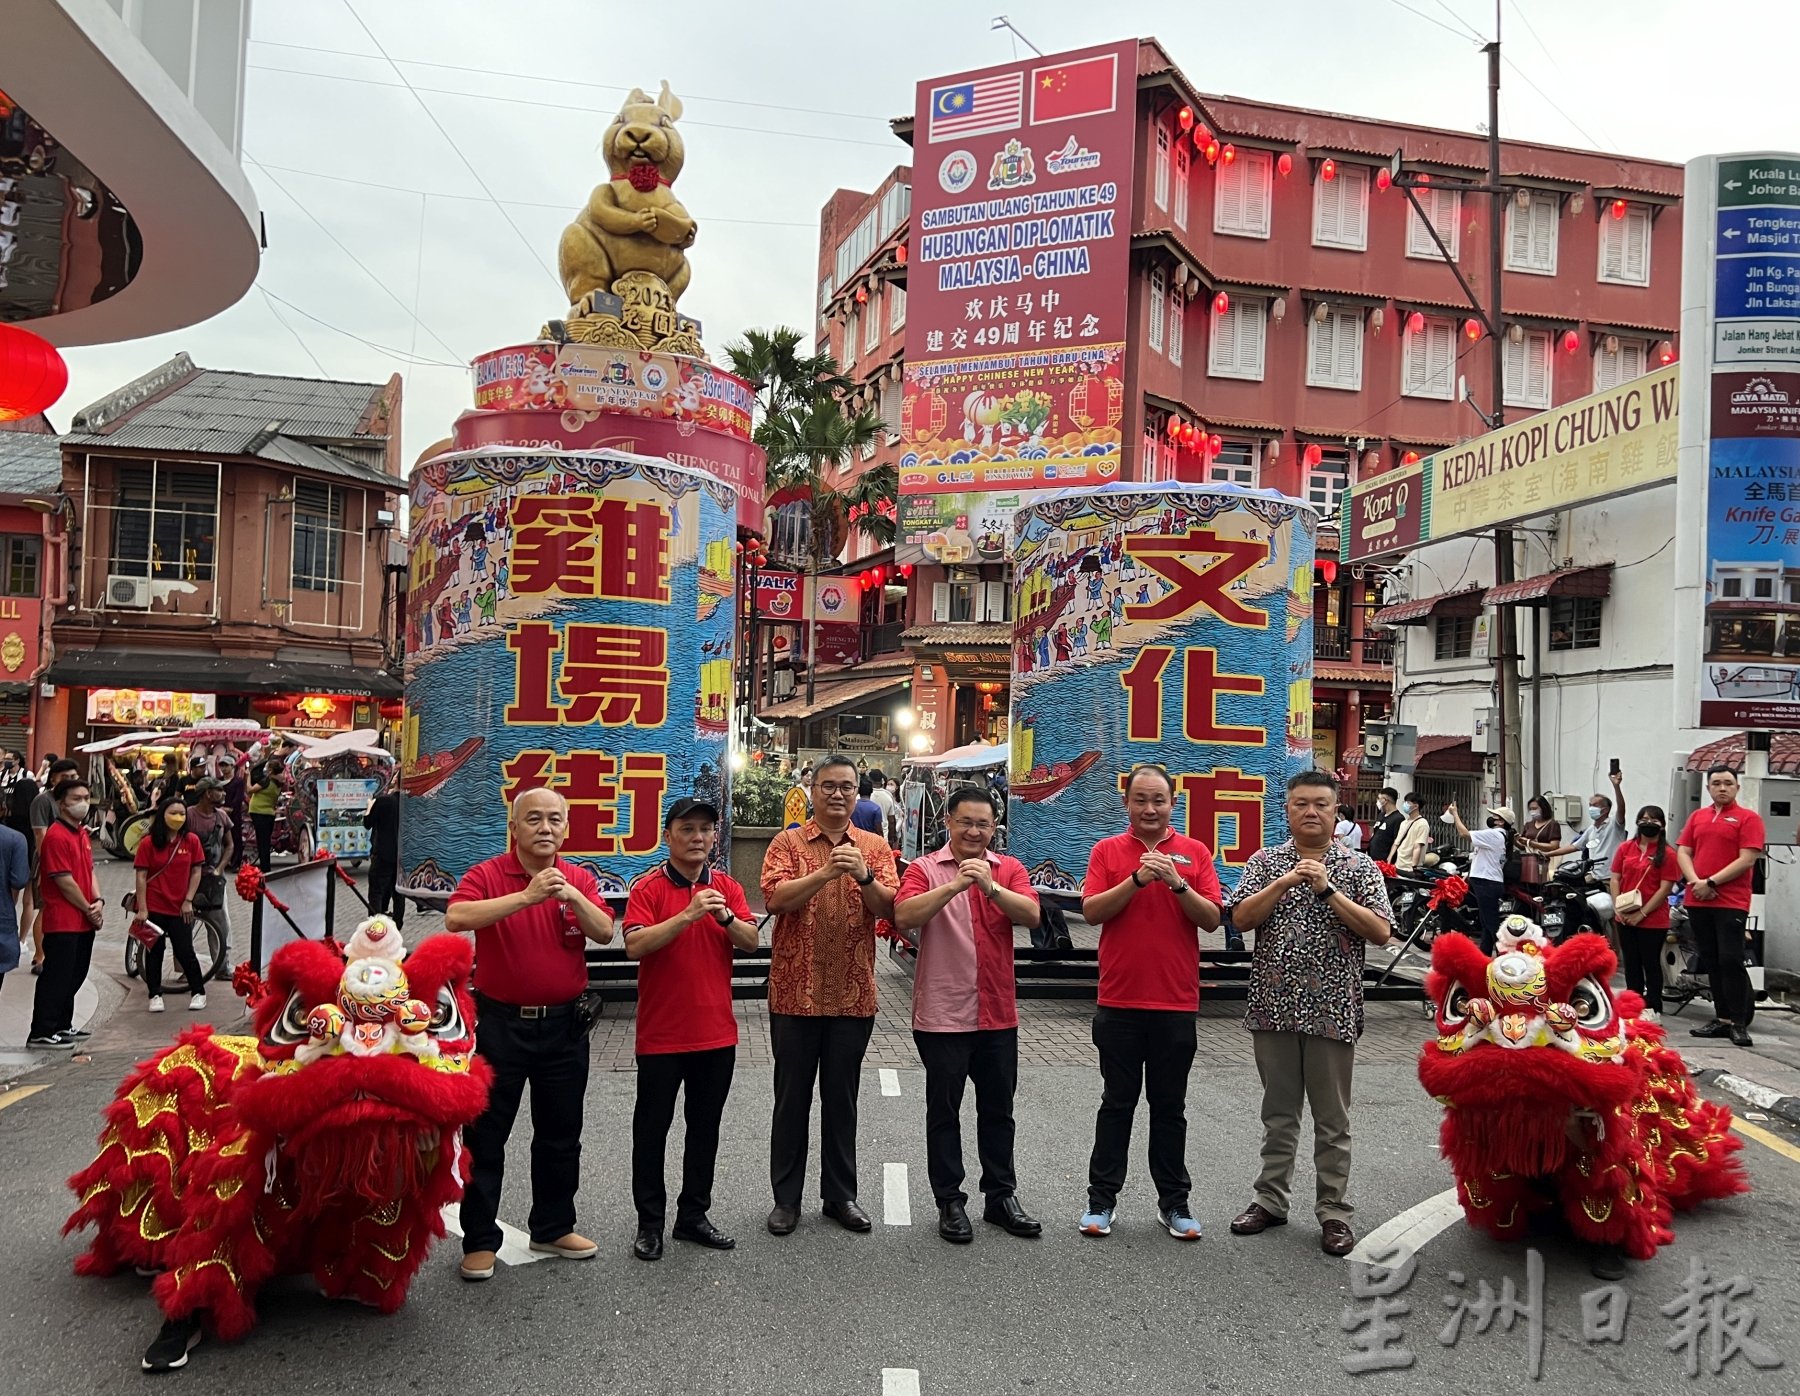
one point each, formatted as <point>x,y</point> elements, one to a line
<point>804,427</point>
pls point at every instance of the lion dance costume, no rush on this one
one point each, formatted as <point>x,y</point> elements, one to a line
<point>1558,1096</point>
<point>327,1143</point>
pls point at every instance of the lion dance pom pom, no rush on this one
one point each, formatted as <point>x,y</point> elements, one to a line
<point>327,1144</point>
<point>1558,1096</point>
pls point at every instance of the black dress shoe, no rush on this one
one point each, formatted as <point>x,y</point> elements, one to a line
<point>648,1245</point>
<point>1740,1037</point>
<point>1008,1215</point>
<point>783,1220</point>
<point>848,1215</point>
<point>1606,1263</point>
<point>1712,1029</point>
<point>703,1233</point>
<point>953,1223</point>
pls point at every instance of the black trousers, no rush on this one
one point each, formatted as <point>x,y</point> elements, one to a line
<point>544,1053</point>
<point>263,826</point>
<point>1641,951</point>
<point>830,1051</point>
<point>707,1078</point>
<point>1719,938</point>
<point>178,935</point>
<point>990,1058</point>
<point>1146,1050</point>
<point>67,955</point>
<point>382,902</point>
<point>1488,893</point>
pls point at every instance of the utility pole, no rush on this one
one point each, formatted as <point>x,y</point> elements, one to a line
<point>1506,654</point>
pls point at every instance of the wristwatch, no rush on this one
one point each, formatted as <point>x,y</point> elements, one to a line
<point>864,880</point>
<point>724,918</point>
<point>1134,879</point>
<point>1327,894</point>
<point>1179,888</point>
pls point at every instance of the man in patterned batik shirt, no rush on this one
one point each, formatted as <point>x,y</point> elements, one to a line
<point>1314,907</point>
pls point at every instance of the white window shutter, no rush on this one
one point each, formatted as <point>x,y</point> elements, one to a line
<point>1637,246</point>
<point>1321,355</point>
<point>993,603</point>
<point>1537,370</point>
<point>1518,233</point>
<point>940,601</point>
<point>1253,323</point>
<point>1161,176</point>
<point>1412,365</point>
<point>1634,360</point>
<point>1182,166</point>
<point>1224,342</point>
<point>1158,292</point>
<point>1347,367</point>
<point>1442,356</point>
<point>1229,212</point>
<point>1258,166</point>
<point>1612,248</point>
<point>1177,326</point>
<point>1544,212</point>
<point>1514,361</point>
<point>1328,218</point>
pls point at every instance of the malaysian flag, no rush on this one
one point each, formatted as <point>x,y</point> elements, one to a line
<point>976,107</point>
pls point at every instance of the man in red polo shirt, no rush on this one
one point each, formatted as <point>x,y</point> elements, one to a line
<point>1717,850</point>
<point>1149,890</point>
<point>72,913</point>
<point>532,915</point>
<point>682,922</point>
<point>964,901</point>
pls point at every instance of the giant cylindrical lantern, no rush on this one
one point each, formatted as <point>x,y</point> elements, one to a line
<point>1168,624</point>
<point>569,624</point>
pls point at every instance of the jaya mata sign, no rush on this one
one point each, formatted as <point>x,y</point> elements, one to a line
<point>1607,444</point>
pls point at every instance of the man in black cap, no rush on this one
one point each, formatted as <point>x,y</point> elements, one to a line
<point>682,922</point>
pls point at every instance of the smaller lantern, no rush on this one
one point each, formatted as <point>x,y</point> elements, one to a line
<point>1285,164</point>
<point>1410,458</point>
<point>1665,352</point>
<point>1472,328</point>
<point>1415,322</point>
<point>1214,445</point>
<point>1229,153</point>
<point>1314,454</point>
<point>1383,180</point>
<point>1221,303</point>
<point>1328,170</point>
<point>1619,208</point>
<point>1571,342</point>
<point>1185,118</point>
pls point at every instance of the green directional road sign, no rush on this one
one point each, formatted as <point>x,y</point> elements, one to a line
<point>1772,179</point>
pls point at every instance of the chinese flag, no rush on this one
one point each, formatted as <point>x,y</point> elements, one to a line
<point>1063,91</point>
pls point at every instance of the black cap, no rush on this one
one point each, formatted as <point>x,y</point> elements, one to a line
<point>687,805</point>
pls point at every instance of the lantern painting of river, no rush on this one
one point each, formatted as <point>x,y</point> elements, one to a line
<point>1165,624</point>
<point>569,624</point>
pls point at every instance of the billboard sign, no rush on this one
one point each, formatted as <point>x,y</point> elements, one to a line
<point>1387,515</point>
<point>957,528</point>
<point>1016,298</point>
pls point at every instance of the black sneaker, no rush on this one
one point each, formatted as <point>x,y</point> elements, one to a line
<point>1712,1029</point>
<point>51,1042</point>
<point>176,1339</point>
<point>78,1034</point>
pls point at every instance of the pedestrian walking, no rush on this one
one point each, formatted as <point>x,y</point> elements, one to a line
<point>1717,850</point>
<point>43,815</point>
<point>827,884</point>
<point>1150,890</point>
<point>1644,872</point>
<point>382,820</point>
<point>168,865</point>
<point>963,901</point>
<point>72,913</point>
<point>1315,907</point>
<point>15,875</point>
<point>532,915</point>
<point>682,921</point>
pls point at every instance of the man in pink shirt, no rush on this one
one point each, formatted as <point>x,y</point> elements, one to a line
<point>963,902</point>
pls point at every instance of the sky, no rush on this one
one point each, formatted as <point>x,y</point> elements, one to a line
<point>410,230</point>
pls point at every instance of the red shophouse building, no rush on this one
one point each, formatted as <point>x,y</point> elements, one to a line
<point>1299,314</point>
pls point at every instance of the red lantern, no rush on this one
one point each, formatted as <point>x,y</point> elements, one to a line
<point>1221,303</point>
<point>272,705</point>
<point>1415,322</point>
<point>1212,151</point>
<point>1422,178</point>
<point>392,709</point>
<point>1314,454</point>
<point>1214,445</point>
<point>1472,328</point>
<point>32,374</point>
<point>1571,342</point>
<point>1173,426</point>
<point>1185,118</point>
<point>1229,153</point>
<point>1665,352</point>
<point>1328,170</point>
<point>1327,570</point>
<point>1202,137</point>
<point>1410,458</point>
<point>881,576</point>
<point>906,569</point>
<point>862,295</point>
<point>1383,180</point>
<point>1619,208</point>
<point>1284,163</point>
<point>900,254</point>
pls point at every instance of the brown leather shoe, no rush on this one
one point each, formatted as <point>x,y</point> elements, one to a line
<point>1254,1220</point>
<point>1336,1238</point>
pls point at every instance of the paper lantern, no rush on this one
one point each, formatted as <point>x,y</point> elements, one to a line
<point>1173,426</point>
<point>32,374</point>
<point>1472,328</point>
<point>906,569</point>
<point>1410,458</point>
<point>900,254</point>
<point>1272,452</point>
<point>1571,342</point>
<point>1185,118</point>
<point>1284,163</point>
<point>1328,170</point>
<point>1211,151</point>
<point>1221,303</point>
<point>272,705</point>
<point>862,295</point>
<point>1214,445</point>
<point>392,709</point>
<point>1229,153</point>
<point>1314,454</point>
<point>1383,180</point>
<point>1203,137</point>
<point>1665,352</point>
<point>1415,322</point>
<point>1327,569</point>
<point>1619,208</point>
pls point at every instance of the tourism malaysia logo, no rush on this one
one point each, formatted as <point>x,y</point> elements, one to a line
<point>1071,158</point>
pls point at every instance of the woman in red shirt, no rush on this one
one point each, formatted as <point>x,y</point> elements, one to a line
<point>1645,865</point>
<point>169,863</point>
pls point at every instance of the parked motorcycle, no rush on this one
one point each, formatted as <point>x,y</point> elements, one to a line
<point>1573,902</point>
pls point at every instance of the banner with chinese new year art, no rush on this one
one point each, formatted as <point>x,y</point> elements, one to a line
<point>569,624</point>
<point>1167,624</point>
<point>1019,266</point>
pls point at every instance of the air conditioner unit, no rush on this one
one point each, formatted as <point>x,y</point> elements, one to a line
<point>132,592</point>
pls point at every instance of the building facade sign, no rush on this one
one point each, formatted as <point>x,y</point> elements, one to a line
<point>955,529</point>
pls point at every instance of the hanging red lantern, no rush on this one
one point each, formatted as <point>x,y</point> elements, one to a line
<point>392,709</point>
<point>1410,458</point>
<point>900,254</point>
<point>881,576</point>
<point>1383,180</point>
<point>1327,569</point>
<point>1173,426</point>
<point>1328,170</point>
<point>32,374</point>
<point>1619,208</point>
<point>1185,118</point>
<point>1665,352</point>
<point>1314,454</point>
<point>1571,342</point>
<point>1214,445</point>
<point>1202,136</point>
<point>906,569</point>
<point>272,705</point>
<point>1422,178</point>
<point>1229,153</point>
<point>1415,322</point>
<point>1221,303</point>
<point>1284,163</point>
<point>862,295</point>
<point>1472,328</point>
<point>1211,151</point>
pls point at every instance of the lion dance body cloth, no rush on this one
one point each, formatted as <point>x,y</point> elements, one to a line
<point>1558,1096</point>
<point>328,1143</point>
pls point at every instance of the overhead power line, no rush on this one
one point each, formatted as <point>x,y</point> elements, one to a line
<point>410,357</point>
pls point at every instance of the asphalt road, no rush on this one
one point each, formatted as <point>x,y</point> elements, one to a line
<point>824,1311</point>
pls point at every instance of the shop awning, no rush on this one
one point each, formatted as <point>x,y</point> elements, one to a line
<point>1595,580</point>
<point>1327,671</point>
<point>212,673</point>
<point>835,696</point>
<point>1784,754</point>
<point>1466,602</point>
<point>961,634</point>
<point>1445,752</point>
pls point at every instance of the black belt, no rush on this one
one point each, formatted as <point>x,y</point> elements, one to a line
<point>524,1010</point>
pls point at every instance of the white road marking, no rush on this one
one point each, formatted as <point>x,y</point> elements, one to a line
<point>1413,1229</point>
<point>896,1207</point>
<point>899,1381</point>
<point>515,1245</point>
<point>890,1081</point>
<point>1747,1090</point>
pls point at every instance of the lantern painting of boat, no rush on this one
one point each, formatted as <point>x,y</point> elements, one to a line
<point>426,773</point>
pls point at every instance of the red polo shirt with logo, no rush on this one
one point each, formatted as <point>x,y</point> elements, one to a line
<point>684,989</point>
<point>1713,838</point>
<point>71,852</point>
<point>1150,951</point>
<point>537,955</point>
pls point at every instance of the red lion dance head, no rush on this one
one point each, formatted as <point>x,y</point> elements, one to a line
<point>1557,1095</point>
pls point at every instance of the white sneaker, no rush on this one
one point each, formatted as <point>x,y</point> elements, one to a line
<point>1650,1015</point>
<point>196,1003</point>
<point>156,1003</point>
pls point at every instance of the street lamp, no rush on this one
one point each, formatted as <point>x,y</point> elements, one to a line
<point>905,718</point>
<point>920,742</point>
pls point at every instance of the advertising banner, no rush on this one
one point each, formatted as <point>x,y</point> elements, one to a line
<point>1598,447</point>
<point>143,707</point>
<point>21,647</point>
<point>339,815</point>
<point>1015,333</point>
<point>956,528</point>
<point>588,378</point>
<point>1158,623</point>
<point>570,624</point>
<point>780,595</point>
<point>1750,674</point>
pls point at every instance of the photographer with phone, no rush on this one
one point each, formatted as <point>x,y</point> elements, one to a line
<point>1605,832</point>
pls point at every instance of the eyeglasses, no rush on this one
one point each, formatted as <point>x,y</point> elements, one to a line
<point>983,824</point>
<point>836,789</point>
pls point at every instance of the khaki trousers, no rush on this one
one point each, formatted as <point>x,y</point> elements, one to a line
<point>1297,1067</point>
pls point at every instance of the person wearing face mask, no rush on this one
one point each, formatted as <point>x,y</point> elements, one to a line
<point>1487,866</point>
<point>1414,838</point>
<point>1648,867</point>
<point>72,913</point>
<point>1604,834</point>
<point>1386,832</point>
<point>169,863</point>
<point>1541,833</point>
